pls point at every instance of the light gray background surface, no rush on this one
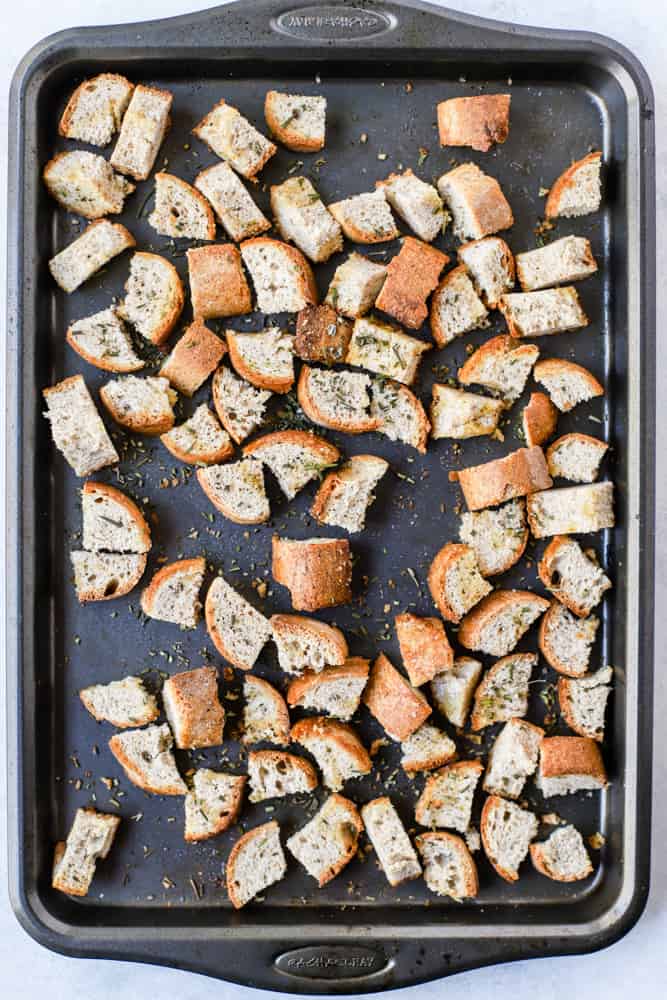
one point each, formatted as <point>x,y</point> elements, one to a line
<point>639,961</point>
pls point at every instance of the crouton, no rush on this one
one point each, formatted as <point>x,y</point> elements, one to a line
<point>84,183</point>
<point>282,277</point>
<point>424,646</point>
<point>236,211</point>
<point>328,842</point>
<point>200,440</point>
<point>265,359</point>
<point>512,758</point>
<point>426,749</point>
<point>102,576</point>
<point>507,831</point>
<point>141,405</point>
<point>356,285</point>
<point>499,621</point>
<point>502,365</point>
<point>99,243</point>
<point>456,308</point>
<point>572,575</point>
<point>296,120</point>
<point>571,510</point>
<point>218,285</point>
<point>498,536</point>
<point>411,277</point>
<point>577,191</point>
<point>95,110</point>
<point>478,206</point>
<point>237,490</point>
<point>338,400</point>
<point>558,263</point>
<point>294,457</point>
<point>181,211</point>
<point>522,472</point>
<point>321,335</point>
<point>538,419</point>
<point>147,758</point>
<point>583,702</point>
<point>460,415</point>
<point>195,356</point>
<point>346,494</point>
<point>399,415</point>
<point>274,774</point>
<point>576,457</point>
<point>173,593</point>
<point>453,690</point>
<point>193,708</point>
<point>213,803</point>
<point>479,121</point>
<point>490,264</point>
<point>103,341</point>
<point>503,692</point>
<point>398,707</point>
<point>446,800</point>
<point>385,350</point>
<point>417,203</point>
<point>256,861</point>
<point>566,641</point>
<point>123,703</point>
<point>154,297</point>
<point>234,139</point>
<point>302,217</point>
<point>334,691</point>
<point>449,869</point>
<point>112,521</point>
<point>144,127</point>
<point>307,644</point>
<point>388,836</point>
<point>455,582</point>
<point>366,218</point>
<point>538,314</point>
<point>265,714</point>
<point>570,764</point>
<point>567,383</point>
<point>317,572</point>
<point>76,427</point>
<point>339,752</point>
<point>90,838</point>
<point>563,857</point>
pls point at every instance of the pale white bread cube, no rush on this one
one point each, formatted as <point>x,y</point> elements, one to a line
<point>502,365</point>
<point>385,350</point>
<point>456,308</point>
<point>239,405</point>
<point>339,400</point>
<point>518,474</point>
<point>112,521</point>
<point>449,869</point>
<point>334,691</point>
<point>417,203</point>
<point>570,764</point>
<point>77,428</point>
<point>237,629</point>
<point>577,191</point>
<point>356,285</point>
<point>103,341</point>
<point>89,840</point>
<point>237,490</point>
<point>399,414</point>
<point>563,857</point>
<point>85,183</point>
<point>490,264</point>
<point>346,494</point>
<point>397,856</point>
<point>307,644</point>
<point>328,842</point>
<point>213,803</point>
<point>302,217</point>
<point>566,641</point>
<point>512,758</point>
<point>192,706</point>
<point>498,536</point>
<point>294,457</point>
<point>567,383</point>
<point>154,296</point>
<point>265,714</point>
<point>538,314</point>
<point>256,861</point>
<point>147,757</point>
<point>140,405</point>
<point>448,794</point>
<point>273,774</point>
<point>298,121</point>
<point>558,263</point>
<point>583,702</point>
<point>199,440</point>
<point>571,510</point>
<point>453,690</point>
<point>282,277</point>
<point>576,457</point>
<point>123,703</point>
<point>573,575</point>
<point>99,243</point>
<point>102,576</point>
<point>507,831</point>
<point>173,593</point>
<point>427,748</point>
<point>144,127</point>
<point>181,211</point>
<point>500,620</point>
<point>478,206</point>
<point>365,218</point>
<point>455,581</point>
<point>460,415</point>
<point>340,754</point>
<point>234,139</point>
<point>503,691</point>
<point>95,110</point>
<point>236,211</point>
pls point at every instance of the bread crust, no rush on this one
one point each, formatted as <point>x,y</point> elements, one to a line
<point>289,137</point>
<point>338,734</point>
<point>226,511</point>
<point>194,357</point>
<point>478,122</point>
<point>550,654</point>
<point>241,843</point>
<point>562,756</point>
<point>299,624</point>
<point>230,817</point>
<point>538,857</point>
<point>194,699</point>
<point>281,714</point>
<point>275,757</point>
<point>141,424</point>
<point>490,606</point>
<point>135,775</point>
<point>260,380</point>
<point>317,574</point>
<point>70,108</point>
<point>411,277</point>
<point>169,322</point>
<point>539,419</point>
<point>90,488</point>
<point>86,596</point>
<point>552,206</point>
<point>163,576</point>
<point>218,285</point>
<point>448,555</point>
<point>559,366</point>
<point>310,408</point>
<point>521,472</point>
<point>424,646</point>
<point>494,802</point>
<point>307,283</point>
<point>484,197</point>
<point>466,859</point>
<point>193,193</point>
<point>322,335</point>
<point>594,442</point>
<point>399,708</point>
<point>354,668</point>
<point>225,451</point>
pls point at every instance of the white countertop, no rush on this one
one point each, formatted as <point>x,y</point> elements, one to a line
<point>639,961</point>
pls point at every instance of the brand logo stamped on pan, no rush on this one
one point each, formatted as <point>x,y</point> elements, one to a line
<point>332,962</point>
<point>328,23</point>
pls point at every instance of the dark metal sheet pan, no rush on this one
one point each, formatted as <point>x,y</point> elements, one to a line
<point>569,92</point>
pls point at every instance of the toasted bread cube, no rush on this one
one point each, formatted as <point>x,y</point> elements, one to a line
<point>385,350</point>
<point>339,400</point>
<point>112,522</point>
<point>328,842</point>
<point>577,191</point>
<point>538,314</point>
<point>181,211</point>
<point>453,690</point>
<point>567,383</point>
<point>234,139</point>
<point>317,572</point>
<point>558,263</point>
<point>264,359</point>
<point>570,764</point>
<point>265,714</point>
<point>200,440</point>
<point>196,355</point>
<point>99,243</point>
<point>296,120</point>
<point>218,285</point>
<point>563,857</point>
<point>456,308</point>
<point>154,296</point>
<point>583,702</point>
<point>238,630</point>
<point>274,774</point>
<point>499,621</point>
<point>538,419</point>
<point>102,576</point>
<point>306,643</point>
<point>302,217</point>
<point>455,582</point>
<point>294,457</point>
<point>283,278</point>
<point>321,335</point>
<point>193,708</point>
<point>85,183</point>
<point>513,758</point>
<point>502,365</point>
<point>427,748</point>
<point>237,490</point>
<point>255,862</point>
<point>399,708</point>
<point>356,285</point>
<point>447,798</point>
<point>388,836</point>
<point>236,211</point>
<point>147,757</point>
<point>239,405</point>
<point>346,494</point>
<point>103,341</point>
<point>173,593</point>
<point>458,414</point>
<point>566,641</point>
<point>411,277</point>
<point>417,203</point>
<point>507,831</point>
<point>95,110</point>
<point>449,869</point>
<point>366,218</point>
<point>213,804</point>
<point>498,536</point>
<point>425,648</point>
<point>335,691</point>
<point>490,264</point>
<point>573,510</point>
<point>76,426</point>
<point>572,575</point>
<point>141,405</point>
<point>576,457</point>
<point>340,754</point>
<point>398,414</point>
<point>478,206</point>
<point>89,839</point>
<point>144,127</point>
<point>522,472</point>
<point>479,121</point>
<point>123,703</point>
